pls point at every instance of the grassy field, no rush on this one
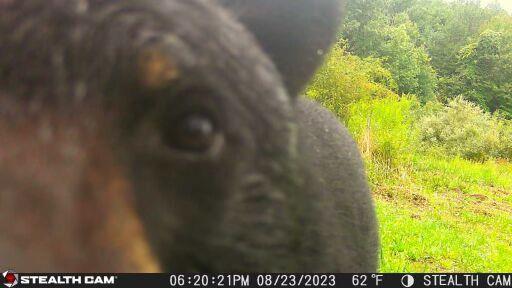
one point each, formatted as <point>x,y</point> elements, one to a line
<point>445,216</point>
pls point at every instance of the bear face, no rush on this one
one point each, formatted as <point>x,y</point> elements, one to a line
<point>144,110</point>
<point>159,136</point>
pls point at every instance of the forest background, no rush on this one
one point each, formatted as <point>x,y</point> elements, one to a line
<point>425,88</point>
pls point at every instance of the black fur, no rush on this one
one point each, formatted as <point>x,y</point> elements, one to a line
<point>296,34</point>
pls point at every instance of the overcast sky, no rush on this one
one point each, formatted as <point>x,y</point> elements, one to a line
<point>505,4</point>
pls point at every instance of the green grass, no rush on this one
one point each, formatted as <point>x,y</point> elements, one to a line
<point>441,215</point>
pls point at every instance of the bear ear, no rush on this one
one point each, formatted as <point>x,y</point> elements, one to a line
<point>296,34</point>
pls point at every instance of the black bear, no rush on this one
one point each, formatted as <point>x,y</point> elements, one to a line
<point>167,135</point>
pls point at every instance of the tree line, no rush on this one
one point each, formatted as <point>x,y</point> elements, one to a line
<point>407,74</point>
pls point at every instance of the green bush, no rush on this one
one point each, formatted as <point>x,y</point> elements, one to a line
<point>505,147</point>
<point>345,79</point>
<point>463,129</point>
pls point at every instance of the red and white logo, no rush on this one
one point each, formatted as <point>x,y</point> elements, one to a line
<point>10,278</point>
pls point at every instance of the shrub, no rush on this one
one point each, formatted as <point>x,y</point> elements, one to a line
<point>345,79</point>
<point>505,147</point>
<point>463,129</point>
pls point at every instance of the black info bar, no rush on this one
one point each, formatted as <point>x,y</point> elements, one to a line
<point>264,280</point>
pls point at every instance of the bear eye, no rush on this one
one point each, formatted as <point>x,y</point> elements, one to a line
<point>194,132</point>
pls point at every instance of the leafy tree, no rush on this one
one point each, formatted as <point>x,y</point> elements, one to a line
<point>466,19</point>
<point>409,63</point>
<point>445,29</point>
<point>372,31</point>
<point>346,78</point>
<point>363,18</point>
<point>485,72</point>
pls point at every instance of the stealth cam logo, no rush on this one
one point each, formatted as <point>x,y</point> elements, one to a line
<point>10,278</point>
